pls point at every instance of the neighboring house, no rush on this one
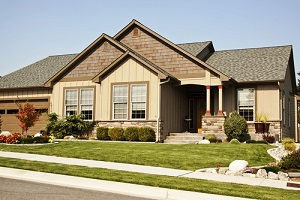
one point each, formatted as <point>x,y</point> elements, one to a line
<point>139,78</point>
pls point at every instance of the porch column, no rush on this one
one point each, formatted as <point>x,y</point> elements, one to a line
<point>207,113</point>
<point>220,112</point>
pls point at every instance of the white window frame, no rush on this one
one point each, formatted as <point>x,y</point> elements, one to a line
<point>91,103</point>
<point>79,103</point>
<point>251,103</point>
<point>129,101</point>
<point>132,102</point>
<point>66,104</point>
<point>121,101</point>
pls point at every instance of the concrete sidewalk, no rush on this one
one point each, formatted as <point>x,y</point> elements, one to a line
<point>139,169</point>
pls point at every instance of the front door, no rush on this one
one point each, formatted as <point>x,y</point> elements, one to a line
<point>197,108</point>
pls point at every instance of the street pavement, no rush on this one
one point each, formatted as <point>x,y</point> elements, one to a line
<point>124,188</point>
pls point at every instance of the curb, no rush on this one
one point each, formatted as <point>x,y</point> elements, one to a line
<point>108,186</point>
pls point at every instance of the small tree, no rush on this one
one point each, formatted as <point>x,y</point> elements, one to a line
<point>27,116</point>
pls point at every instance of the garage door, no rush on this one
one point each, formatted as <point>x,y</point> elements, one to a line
<point>8,110</point>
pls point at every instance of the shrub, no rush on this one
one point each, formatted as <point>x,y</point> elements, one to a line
<point>268,138</point>
<point>71,125</point>
<point>289,144</point>
<point>234,141</point>
<point>116,134</point>
<point>102,133</point>
<point>146,134</point>
<point>290,161</point>
<point>131,134</point>
<point>219,140</point>
<point>235,126</point>
<point>274,169</point>
<point>211,137</point>
<point>256,142</point>
<point>2,139</point>
<point>13,139</point>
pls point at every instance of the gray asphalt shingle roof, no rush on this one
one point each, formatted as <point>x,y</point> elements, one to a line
<point>249,65</point>
<point>36,74</point>
<point>194,48</point>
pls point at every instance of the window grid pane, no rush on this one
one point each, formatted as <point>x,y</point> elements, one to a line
<point>86,103</point>
<point>71,100</point>
<point>120,98</point>
<point>138,101</point>
<point>246,103</point>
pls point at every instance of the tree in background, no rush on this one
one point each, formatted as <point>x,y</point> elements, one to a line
<point>27,116</point>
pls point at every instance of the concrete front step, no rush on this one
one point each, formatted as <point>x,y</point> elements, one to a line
<point>183,138</point>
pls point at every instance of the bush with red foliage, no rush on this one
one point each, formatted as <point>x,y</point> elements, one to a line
<point>13,139</point>
<point>2,139</point>
<point>269,138</point>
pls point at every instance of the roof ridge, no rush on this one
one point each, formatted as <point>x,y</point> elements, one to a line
<point>253,48</point>
<point>68,54</point>
<point>194,42</point>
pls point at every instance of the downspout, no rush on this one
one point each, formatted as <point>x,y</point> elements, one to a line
<point>159,108</point>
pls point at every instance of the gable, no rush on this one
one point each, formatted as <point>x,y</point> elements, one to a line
<point>99,58</point>
<point>164,53</point>
<point>161,54</point>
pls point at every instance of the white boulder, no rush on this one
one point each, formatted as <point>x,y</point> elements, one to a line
<point>37,135</point>
<point>5,133</point>
<point>238,165</point>
<point>204,142</point>
<point>283,176</point>
<point>273,176</point>
<point>261,173</point>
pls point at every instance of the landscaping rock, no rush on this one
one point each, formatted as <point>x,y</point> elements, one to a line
<point>238,165</point>
<point>5,133</point>
<point>273,176</point>
<point>211,170</point>
<point>283,176</point>
<point>37,135</point>
<point>222,171</point>
<point>230,173</point>
<point>69,137</point>
<point>204,142</point>
<point>261,173</point>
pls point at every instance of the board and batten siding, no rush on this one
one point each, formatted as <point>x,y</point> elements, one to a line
<point>25,94</point>
<point>268,101</point>
<point>289,126</point>
<point>129,72</point>
<point>57,98</point>
<point>174,108</point>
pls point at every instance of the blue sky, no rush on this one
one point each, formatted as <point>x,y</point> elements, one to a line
<point>34,29</point>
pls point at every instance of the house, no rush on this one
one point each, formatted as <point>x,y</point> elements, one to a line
<point>140,78</point>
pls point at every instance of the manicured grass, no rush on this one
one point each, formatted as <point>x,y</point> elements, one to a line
<point>188,157</point>
<point>180,183</point>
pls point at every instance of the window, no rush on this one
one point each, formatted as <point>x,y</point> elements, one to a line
<point>83,105</point>
<point>86,102</point>
<point>71,101</point>
<point>129,103</point>
<point>120,99</point>
<point>138,101</point>
<point>246,103</point>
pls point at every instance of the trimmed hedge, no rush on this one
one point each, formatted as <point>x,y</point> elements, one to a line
<point>132,133</point>
<point>116,134</point>
<point>146,134</point>
<point>102,133</point>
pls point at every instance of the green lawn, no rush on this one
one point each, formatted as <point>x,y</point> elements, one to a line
<point>188,157</point>
<point>180,183</point>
